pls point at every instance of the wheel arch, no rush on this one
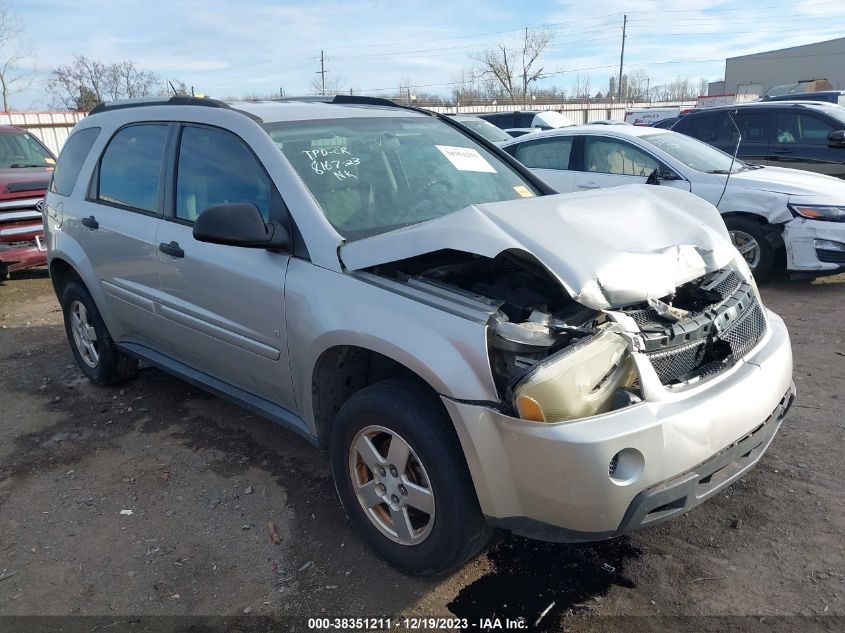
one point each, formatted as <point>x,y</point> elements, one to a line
<point>342,370</point>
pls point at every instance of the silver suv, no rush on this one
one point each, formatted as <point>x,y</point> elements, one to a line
<point>471,350</point>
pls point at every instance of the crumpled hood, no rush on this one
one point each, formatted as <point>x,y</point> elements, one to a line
<point>794,182</point>
<point>608,248</point>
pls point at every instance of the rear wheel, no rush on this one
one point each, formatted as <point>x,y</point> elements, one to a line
<point>403,481</point>
<point>92,346</point>
<point>750,239</point>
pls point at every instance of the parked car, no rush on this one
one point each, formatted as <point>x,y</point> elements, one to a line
<point>764,208</point>
<point>25,169</point>
<point>527,119</point>
<point>650,116</point>
<point>800,135</point>
<point>666,124</point>
<point>829,96</point>
<point>485,128</point>
<point>471,350</point>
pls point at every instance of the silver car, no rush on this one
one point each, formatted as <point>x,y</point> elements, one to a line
<point>471,350</point>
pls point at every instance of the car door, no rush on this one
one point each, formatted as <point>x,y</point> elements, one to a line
<point>801,143</point>
<point>223,305</point>
<point>758,131</point>
<point>116,224</point>
<point>605,161</point>
<point>549,158</point>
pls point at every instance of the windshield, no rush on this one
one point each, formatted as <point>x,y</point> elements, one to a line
<point>486,129</point>
<point>371,175</point>
<point>18,150</point>
<point>693,153</point>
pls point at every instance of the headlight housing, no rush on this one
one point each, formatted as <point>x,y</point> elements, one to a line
<point>577,382</point>
<point>830,213</point>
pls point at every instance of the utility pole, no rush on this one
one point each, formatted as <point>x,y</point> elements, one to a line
<point>322,72</point>
<point>621,59</point>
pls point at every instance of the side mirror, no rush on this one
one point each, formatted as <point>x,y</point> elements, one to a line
<point>837,137</point>
<point>239,224</point>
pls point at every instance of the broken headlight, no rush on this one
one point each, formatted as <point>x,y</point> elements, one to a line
<point>580,381</point>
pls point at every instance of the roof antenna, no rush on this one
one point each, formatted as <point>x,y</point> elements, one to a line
<point>733,158</point>
<point>173,88</point>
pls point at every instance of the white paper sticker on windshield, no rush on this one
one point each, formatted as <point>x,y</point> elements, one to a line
<point>466,159</point>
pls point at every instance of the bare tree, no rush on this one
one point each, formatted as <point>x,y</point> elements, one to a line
<point>637,85</point>
<point>703,87</point>
<point>85,82</point>
<point>334,85</point>
<point>581,87</point>
<point>13,78</point>
<point>503,63</point>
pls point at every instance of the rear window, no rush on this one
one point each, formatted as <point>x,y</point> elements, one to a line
<point>130,169</point>
<point>72,156</point>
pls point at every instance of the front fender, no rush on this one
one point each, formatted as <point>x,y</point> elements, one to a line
<point>327,309</point>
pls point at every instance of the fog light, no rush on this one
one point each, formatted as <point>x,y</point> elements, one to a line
<point>626,466</point>
<point>829,245</point>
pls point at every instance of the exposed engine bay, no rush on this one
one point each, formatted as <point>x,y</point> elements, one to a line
<point>554,359</point>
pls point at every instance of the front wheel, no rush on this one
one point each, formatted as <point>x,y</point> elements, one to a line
<point>403,481</point>
<point>749,238</point>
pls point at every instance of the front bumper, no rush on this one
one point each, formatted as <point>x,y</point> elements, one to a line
<point>21,257</point>
<point>552,481</point>
<point>800,237</point>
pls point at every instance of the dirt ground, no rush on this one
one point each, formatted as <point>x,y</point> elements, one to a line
<point>154,498</point>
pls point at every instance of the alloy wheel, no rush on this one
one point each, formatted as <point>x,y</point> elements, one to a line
<point>747,246</point>
<point>84,334</point>
<point>391,485</point>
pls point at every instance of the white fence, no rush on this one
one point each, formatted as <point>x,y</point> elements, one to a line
<point>51,128</point>
<point>579,112</point>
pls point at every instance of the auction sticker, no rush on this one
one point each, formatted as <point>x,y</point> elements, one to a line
<point>466,159</point>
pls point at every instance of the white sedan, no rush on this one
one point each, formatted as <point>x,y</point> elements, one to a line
<point>764,208</point>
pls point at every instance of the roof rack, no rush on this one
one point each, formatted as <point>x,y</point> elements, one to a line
<point>357,100</point>
<point>105,106</point>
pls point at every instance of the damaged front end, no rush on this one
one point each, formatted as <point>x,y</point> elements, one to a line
<point>555,360</point>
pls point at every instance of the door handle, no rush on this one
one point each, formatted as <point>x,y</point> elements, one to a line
<point>173,249</point>
<point>91,222</point>
<point>782,150</point>
<point>589,185</point>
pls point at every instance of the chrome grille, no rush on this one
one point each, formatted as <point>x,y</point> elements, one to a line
<point>743,334</point>
<point>678,361</point>
<point>727,285</point>
<point>746,331</point>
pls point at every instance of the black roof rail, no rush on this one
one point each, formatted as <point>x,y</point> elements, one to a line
<point>107,106</point>
<point>358,100</point>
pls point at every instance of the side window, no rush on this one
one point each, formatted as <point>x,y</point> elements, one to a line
<point>609,156</point>
<point>130,168</point>
<point>755,126</point>
<point>812,129</point>
<point>215,167</point>
<point>524,119</point>
<point>547,154</point>
<point>72,156</point>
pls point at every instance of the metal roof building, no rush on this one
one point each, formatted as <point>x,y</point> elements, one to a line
<point>759,72</point>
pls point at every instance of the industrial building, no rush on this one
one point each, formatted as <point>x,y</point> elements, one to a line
<point>759,72</point>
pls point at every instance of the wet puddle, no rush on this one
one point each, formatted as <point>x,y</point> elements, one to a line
<point>529,576</point>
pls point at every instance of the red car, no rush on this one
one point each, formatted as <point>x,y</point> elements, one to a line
<point>25,170</point>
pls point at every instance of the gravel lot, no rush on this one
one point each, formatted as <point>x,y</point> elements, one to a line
<point>154,498</point>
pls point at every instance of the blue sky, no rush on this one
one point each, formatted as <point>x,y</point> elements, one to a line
<point>255,46</point>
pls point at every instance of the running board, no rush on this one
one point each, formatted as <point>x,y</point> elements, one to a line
<point>266,409</point>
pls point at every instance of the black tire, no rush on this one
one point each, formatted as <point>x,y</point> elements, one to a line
<point>459,530</point>
<point>758,232</point>
<point>112,365</point>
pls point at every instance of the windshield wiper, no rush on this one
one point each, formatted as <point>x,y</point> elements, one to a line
<point>16,165</point>
<point>721,172</point>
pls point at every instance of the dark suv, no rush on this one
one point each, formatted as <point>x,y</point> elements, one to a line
<point>801,135</point>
